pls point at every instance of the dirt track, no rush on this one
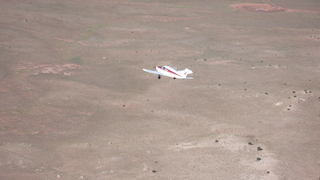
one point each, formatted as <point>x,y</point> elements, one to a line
<point>75,103</point>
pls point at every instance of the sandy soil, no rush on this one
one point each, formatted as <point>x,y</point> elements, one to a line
<point>75,103</point>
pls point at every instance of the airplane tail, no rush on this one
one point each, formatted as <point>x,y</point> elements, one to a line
<point>186,72</point>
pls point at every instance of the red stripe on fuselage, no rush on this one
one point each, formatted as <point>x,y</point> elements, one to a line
<point>163,68</point>
<point>173,72</point>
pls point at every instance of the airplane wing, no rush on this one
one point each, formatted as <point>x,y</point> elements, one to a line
<point>188,71</point>
<point>153,72</point>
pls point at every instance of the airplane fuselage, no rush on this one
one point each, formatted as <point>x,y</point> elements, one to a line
<point>169,71</point>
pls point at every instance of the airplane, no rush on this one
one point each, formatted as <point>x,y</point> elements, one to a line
<point>171,72</point>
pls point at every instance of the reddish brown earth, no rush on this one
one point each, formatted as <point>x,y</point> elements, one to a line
<point>75,103</point>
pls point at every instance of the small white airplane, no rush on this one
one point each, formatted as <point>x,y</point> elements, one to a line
<point>170,72</point>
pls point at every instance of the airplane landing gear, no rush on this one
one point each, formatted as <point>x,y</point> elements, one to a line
<point>159,76</point>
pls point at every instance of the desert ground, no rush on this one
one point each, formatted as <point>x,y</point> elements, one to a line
<point>75,103</point>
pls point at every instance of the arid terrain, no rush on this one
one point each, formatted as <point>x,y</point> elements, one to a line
<point>75,103</point>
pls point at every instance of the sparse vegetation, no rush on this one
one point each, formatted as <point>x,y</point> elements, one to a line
<point>250,143</point>
<point>91,30</point>
<point>258,159</point>
<point>259,149</point>
<point>76,60</point>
